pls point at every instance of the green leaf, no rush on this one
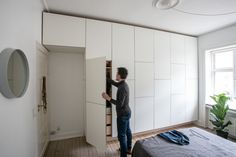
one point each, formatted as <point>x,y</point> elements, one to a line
<point>219,111</point>
<point>226,125</point>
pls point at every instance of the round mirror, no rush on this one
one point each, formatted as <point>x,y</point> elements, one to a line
<point>14,73</point>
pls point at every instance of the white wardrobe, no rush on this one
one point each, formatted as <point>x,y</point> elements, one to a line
<point>162,66</point>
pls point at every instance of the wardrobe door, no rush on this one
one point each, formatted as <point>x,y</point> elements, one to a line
<point>162,55</point>
<point>191,58</point>
<point>177,48</point>
<point>144,80</point>
<point>98,39</point>
<point>143,114</point>
<point>191,100</point>
<point>178,109</point>
<point>95,104</point>
<point>178,81</point>
<point>191,79</point>
<point>144,44</point>
<point>162,103</point>
<point>123,48</point>
<point>62,30</point>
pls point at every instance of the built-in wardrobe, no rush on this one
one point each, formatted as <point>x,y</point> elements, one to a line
<point>162,67</point>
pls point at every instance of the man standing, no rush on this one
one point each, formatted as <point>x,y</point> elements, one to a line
<point>123,111</point>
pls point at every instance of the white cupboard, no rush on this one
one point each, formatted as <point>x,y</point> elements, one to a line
<point>95,104</point>
<point>162,103</point>
<point>144,44</point>
<point>162,67</point>
<point>144,119</point>
<point>162,55</point>
<point>178,79</point>
<point>123,48</point>
<point>191,58</point>
<point>144,80</point>
<point>178,109</point>
<point>177,48</point>
<point>98,39</point>
<point>191,100</point>
<point>62,30</point>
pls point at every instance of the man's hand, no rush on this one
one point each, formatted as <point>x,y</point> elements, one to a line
<point>105,96</point>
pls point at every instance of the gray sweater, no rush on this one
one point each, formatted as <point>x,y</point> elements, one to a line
<point>122,98</point>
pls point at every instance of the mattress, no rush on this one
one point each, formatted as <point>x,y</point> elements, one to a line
<point>202,144</point>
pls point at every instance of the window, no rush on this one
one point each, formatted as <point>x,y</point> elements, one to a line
<point>220,68</point>
<point>223,72</point>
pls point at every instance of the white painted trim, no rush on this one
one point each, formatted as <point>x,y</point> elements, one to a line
<point>41,48</point>
<point>222,49</point>
<point>45,4</point>
<point>65,135</point>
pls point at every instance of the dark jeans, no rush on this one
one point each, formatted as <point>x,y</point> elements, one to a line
<point>124,134</point>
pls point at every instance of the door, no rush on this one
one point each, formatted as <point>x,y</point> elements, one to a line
<point>144,44</point>
<point>98,39</point>
<point>144,114</point>
<point>178,109</point>
<point>162,103</point>
<point>178,82</point>
<point>177,48</point>
<point>42,116</point>
<point>191,100</point>
<point>144,80</point>
<point>95,104</point>
<point>63,30</point>
<point>162,55</point>
<point>123,48</point>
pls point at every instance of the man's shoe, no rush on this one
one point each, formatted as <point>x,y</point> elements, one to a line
<point>129,151</point>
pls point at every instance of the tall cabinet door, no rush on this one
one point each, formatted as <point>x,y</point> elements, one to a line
<point>177,48</point>
<point>162,103</point>
<point>191,57</point>
<point>143,114</point>
<point>191,78</point>
<point>95,104</point>
<point>98,39</point>
<point>162,55</point>
<point>123,48</point>
<point>144,80</point>
<point>144,44</point>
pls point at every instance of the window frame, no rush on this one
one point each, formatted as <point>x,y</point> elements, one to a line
<point>214,70</point>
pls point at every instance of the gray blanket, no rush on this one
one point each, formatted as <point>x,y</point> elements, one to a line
<point>202,144</point>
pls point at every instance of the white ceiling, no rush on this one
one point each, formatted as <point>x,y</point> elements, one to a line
<point>141,12</point>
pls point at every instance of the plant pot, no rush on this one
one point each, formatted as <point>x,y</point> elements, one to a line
<point>222,133</point>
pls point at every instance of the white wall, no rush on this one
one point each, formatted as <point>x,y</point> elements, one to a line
<point>216,39</point>
<point>20,28</point>
<point>66,88</point>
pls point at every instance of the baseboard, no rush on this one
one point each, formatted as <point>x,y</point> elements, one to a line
<point>44,148</point>
<point>201,124</point>
<point>66,135</point>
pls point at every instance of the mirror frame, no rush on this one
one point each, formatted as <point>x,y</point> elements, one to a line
<point>5,56</point>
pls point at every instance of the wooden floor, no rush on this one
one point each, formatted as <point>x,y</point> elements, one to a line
<point>77,147</point>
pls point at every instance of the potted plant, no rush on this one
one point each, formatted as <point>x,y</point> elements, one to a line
<point>218,113</point>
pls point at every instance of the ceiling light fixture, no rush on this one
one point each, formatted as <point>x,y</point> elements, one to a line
<point>165,4</point>
<point>171,4</point>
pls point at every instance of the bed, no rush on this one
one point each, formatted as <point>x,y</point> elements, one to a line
<point>202,144</point>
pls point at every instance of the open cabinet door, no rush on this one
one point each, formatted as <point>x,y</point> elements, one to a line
<point>95,104</point>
